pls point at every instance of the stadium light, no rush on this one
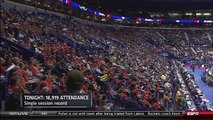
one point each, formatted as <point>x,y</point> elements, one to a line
<point>189,14</point>
<point>198,14</point>
<point>207,14</point>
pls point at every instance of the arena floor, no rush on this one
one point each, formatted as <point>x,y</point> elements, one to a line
<point>208,91</point>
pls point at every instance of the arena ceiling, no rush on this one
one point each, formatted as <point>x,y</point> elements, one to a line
<point>147,5</point>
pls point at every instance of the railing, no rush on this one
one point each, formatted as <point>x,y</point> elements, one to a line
<point>190,101</point>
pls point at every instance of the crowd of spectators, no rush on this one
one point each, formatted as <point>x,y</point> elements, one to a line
<point>208,77</point>
<point>122,70</point>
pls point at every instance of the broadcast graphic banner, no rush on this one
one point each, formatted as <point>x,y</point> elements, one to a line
<point>56,100</point>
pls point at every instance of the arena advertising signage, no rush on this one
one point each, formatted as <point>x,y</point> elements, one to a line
<point>83,8</point>
<point>74,4</point>
<point>149,20</point>
<point>116,17</point>
<point>102,14</point>
<point>208,21</point>
<point>89,10</point>
<point>66,1</point>
<point>187,21</point>
<point>119,17</point>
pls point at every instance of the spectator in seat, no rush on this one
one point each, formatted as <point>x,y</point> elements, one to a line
<point>33,68</point>
<point>157,105</point>
<point>21,82</point>
<point>204,106</point>
<point>40,87</point>
<point>46,81</point>
<point>24,72</point>
<point>2,68</point>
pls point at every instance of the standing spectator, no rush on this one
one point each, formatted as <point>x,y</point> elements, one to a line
<point>193,67</point>
<point>75,81</point>
<point>183,102</point>
<point>13,95</point>
<point>166,101</point>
